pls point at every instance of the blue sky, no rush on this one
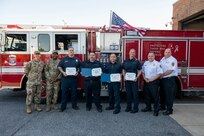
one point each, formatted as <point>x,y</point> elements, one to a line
<point>153,14</point>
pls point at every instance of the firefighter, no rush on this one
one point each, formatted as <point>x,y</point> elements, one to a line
<point>133,66</point>
<point>92,84</point>
<point>114,67</point>
<point>69,68</point>
<point>33,71</point>
<point>151,72</point>
<point>52,75</point>
<point>170,71</point>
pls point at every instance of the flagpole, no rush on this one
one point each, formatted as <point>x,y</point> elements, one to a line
<point>111,13</point>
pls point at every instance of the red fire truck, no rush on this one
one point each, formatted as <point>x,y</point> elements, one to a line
<point>18,44</point>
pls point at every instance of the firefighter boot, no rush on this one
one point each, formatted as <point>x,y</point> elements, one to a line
<point>28,109</point>
<point>48,108</point>
<point>37,108</point>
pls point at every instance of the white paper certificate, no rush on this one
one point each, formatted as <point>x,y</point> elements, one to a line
<point>71,71</point>
<point>96,72</point>
<point>130,76</point>
<point>115,77</point>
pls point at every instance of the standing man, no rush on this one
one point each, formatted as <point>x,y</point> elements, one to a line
<point>69,67</point>
<point>52,75</point>
<point>132,67</point>
<point>33,71</point>
<point>170,71</point>
<point>151,72</point>
<point>114,67</point>
<point>92,84</point>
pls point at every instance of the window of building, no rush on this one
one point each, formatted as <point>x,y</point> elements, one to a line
<point>16,42</point>
<point>43,42</point>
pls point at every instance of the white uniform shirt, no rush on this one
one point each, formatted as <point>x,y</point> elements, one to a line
<point>151,69</point>
<point>169,63</point>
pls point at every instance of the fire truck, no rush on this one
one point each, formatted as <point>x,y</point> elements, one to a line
<point>17,46</point>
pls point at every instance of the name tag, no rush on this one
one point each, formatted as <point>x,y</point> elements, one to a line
<point>71,71</point>
<point>96,72</point>
<point>115,77</point>
<point>130,76</point>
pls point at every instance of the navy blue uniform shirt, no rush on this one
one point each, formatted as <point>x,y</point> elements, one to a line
<point>132,65</point>
<point>89,64</point>
<point>112,68</point>
<point>70,62</point>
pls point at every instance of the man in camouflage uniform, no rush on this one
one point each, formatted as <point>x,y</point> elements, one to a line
<point>33,71</point>
<point>52,75</point>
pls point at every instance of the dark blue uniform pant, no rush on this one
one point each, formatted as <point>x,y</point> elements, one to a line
<point>92,87</point>
<point>132,94</point>
<point>162,95</point>
<point>69,84</point>
<point>151,92</point>
<point>114,93</point>
<point>169,88</point>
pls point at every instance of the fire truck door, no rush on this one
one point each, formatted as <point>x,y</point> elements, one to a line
<point>196,64</point>
<point>131,44</point>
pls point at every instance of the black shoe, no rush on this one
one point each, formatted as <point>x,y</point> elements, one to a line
<point>128,109</point>
<point>133,111</point>
<point>61,110</point>
<point>109,108</point>
<point>167,112</point>
<point>99,109</point>
<point>116,111</point>
<point>146,109</point>
<point>162,108</point>
<point>156,114</point>
<point>88,108</point>
<point>75,108</point>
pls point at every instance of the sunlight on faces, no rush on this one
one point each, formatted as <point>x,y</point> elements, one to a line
<point>167,53</point>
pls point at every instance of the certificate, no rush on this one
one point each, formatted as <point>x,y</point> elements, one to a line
<point>115,77</point>
<point>130,76</point>
<point>96,72</point>
<point>71,71</point>
<point>86,72</point>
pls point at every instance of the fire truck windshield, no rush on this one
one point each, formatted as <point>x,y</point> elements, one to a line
<point>16,42</point>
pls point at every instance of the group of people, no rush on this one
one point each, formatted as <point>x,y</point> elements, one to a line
<point>155,74</point>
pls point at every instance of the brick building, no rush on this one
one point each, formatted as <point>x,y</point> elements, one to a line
<point>188,15</point>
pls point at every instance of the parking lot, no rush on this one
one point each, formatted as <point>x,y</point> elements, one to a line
<point>15,122</point>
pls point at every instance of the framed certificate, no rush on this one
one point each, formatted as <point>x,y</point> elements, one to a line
<point>130,76</point>
<point>115,77</point>
<point>71,71</point>
<point>96,72</point>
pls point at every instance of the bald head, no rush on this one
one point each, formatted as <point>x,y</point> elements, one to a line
<point>167,53</point>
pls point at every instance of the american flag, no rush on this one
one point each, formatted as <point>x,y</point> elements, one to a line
<point>118,22</point>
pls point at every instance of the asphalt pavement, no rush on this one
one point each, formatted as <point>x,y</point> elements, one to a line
<point>15,122</point>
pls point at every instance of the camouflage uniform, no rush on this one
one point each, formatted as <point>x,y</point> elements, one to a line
<point>52,75</point>
<point>33,71</point>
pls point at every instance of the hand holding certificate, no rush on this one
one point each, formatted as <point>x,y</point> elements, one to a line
<point>71,71</point>
<point>96,72</point>
<point>115,77</point>
<point>130,76</point>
